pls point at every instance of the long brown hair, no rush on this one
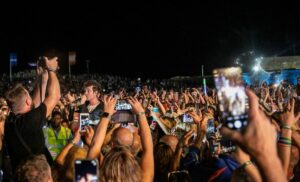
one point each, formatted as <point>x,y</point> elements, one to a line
<point>120,165</point>
<point>162,159</point>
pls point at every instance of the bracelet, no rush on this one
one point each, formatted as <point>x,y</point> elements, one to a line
<point>245,164</point>
<point>283,144</point>
<point>285,139</point>
<point>141,113</point>
<point>53,70</point>
<point>288,127</point>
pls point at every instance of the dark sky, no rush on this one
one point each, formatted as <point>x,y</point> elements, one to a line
<point>149,39</point>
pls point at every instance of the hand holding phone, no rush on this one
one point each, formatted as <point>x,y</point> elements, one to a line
<point>233,102</point>
<point>84,120</point>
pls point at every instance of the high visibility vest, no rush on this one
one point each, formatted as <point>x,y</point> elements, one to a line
<point>55,142</point>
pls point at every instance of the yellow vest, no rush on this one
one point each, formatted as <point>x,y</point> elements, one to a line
<point>55,142</point>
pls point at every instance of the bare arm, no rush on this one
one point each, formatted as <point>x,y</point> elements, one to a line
<point>62,155</point>
<point>288,119</point>
<point>261,131</point>
<point>250,169</point>
<point>161,107</point>
<point>53,88</point>
<point>147,160</point>
<point>109,134</point>
<point>40,87</point>
<point>98,140</point>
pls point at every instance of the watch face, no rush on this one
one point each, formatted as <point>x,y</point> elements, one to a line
<point>105,114</point>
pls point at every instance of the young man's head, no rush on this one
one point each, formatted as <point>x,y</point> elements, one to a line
<point>92,90</point>
<point>35,168</point>
<point>19,99</point>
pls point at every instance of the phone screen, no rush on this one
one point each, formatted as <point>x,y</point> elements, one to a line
<point>187,118</point>
<point>123,105</point>
<point>233,102</point>
<point>86,170</point>
<point>155,109</point>
<point>210,128</point>
<point>84,119</point>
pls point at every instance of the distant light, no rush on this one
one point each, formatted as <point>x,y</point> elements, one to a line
<point>256,68</point>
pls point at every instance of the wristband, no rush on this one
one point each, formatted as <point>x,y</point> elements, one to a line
<point>53,70</point>
<point>285,139</point>
<point>245,164</point>
<point>288,127</point>
<point>141,113</point>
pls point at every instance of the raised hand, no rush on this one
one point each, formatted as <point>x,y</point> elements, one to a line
<point>137,108</point>
<point>259,129</point>
<point>109,104</point>
<point>52,63</point>
<point>89,134</point>
<point>288,117</point>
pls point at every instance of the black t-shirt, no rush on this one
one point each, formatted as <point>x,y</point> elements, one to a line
<point>95,114</point>
<point>30,127</point>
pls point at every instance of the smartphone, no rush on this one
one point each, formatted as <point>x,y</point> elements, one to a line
<point>86,170</point>
<point>123,105</point>
<point>233,101</point>
<point>210,128</point>
<point>155,109</point>
<point>186,118</point>
<point>84,120</point>
<point>124,113</point>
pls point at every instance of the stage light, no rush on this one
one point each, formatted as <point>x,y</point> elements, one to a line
<point>256,68</point>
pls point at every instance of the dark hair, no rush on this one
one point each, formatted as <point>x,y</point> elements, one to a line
<point>179,176</point>
<point>95,84</point>
<point>54,113</point>
<point>162,159</point>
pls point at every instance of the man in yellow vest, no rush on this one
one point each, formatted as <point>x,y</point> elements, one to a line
<point>56,135</point>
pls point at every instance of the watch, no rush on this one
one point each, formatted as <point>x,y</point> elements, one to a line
<point>105,115</point>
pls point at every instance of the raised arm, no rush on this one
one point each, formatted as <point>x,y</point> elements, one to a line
<point>288,119</point>
<point>40,86</point>
<point>259,141</point>
<point>244,159</point>
<point>97,142</point>
<point>147,160</point>
<point>62,155</point>
<point>53,88</point>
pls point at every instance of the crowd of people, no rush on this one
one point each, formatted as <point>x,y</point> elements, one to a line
<point>152,130</point>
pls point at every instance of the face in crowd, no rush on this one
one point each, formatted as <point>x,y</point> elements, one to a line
<point>56,119</point>
<point>90,93</point>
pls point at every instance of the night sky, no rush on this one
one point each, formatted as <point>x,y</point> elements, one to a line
<point>149,39</point>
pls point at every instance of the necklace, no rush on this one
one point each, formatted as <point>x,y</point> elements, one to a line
<point>91,108</point>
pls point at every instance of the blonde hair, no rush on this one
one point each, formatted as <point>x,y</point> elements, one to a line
<point>16,97</point>
<point>120,165</point>
<point>67,170</point>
